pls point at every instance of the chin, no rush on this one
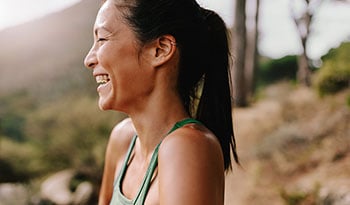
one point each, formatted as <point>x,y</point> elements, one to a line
<point>102,108</point>
<point>108,105</point>
<point>104,105</point>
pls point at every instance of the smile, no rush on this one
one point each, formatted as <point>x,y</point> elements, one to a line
<point>102,79</point>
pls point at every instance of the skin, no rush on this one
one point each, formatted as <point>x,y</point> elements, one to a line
<point>142,83</point>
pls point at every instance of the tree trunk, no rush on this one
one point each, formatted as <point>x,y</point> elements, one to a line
<point>303,25</point>
<point>304,73</point>
<point>239,82</point>
<point>252,70</point>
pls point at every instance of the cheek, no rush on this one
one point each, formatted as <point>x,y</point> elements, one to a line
<point>105,56</point>
<point>114,54</point>
<point>126,69</point>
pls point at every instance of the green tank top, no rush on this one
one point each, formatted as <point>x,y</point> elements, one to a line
<point>118,198</point>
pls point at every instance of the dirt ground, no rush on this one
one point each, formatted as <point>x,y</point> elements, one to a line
<point>294,148</point>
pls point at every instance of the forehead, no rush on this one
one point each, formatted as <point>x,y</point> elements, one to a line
<point>107,15</point>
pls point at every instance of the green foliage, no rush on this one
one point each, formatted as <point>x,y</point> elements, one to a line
<point>12,111</point>
<point>301,197</point>
<point>71,132</point>
<point>66,132</point>
<point>293,198</point>
<point>275,70</point>
<point>334,75</point>
<point>18,161</point>
<point>11,125</point>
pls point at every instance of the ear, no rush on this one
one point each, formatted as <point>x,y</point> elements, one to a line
<point>164,49</point>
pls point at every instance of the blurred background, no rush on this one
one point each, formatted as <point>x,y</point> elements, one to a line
<point>291,78</point>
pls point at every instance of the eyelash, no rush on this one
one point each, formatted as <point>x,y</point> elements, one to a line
<point>101,39</point>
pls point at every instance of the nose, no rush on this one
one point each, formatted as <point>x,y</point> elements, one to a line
<point>90,60</point>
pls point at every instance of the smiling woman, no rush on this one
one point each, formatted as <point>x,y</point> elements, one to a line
<point>16,12</point>
<point>154,60</point>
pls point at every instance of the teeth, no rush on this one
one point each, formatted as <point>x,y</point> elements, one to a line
<point>102,79</point>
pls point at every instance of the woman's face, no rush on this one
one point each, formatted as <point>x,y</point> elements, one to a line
<point>117,61</point>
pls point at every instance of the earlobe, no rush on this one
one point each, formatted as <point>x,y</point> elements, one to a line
<point>165,48</point>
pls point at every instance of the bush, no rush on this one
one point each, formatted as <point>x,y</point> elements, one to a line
<point>68,132</point>
<point>334,75</point>
<point>71,133</point>
<point>11,126</point>
<point>277,69</point>
<point>300,197</point>
<point>18,161</point>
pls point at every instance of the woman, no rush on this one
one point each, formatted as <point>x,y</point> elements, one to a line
<point>165,64</point>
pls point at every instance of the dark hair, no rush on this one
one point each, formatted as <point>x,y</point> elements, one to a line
<point>204,75</point>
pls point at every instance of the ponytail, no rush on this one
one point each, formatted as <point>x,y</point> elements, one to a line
<point>215,105</point>
<point>204,78</point>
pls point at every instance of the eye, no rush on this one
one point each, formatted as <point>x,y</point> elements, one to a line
<point>101,39</point>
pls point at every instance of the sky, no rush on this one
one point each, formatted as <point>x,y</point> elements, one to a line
<point>13,12</point>
<point>330,28</point>
<point>278,34</point>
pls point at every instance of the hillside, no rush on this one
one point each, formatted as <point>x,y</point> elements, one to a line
<point>294,148</point>
<point>37,54</point>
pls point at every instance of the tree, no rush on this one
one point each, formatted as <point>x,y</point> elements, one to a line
<point>239,79</point>
<point>303,24</point>
<point>252,54</point>
<point>334,75</point>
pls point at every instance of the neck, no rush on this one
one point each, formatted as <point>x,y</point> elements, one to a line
<point>155,118</point>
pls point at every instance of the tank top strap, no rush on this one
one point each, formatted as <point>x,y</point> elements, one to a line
<point>118,198</point>
<point>148,178</point>
<point>125,163</point>
<point>183,123</point>
<point>128,154</point>
<point>154,160</point>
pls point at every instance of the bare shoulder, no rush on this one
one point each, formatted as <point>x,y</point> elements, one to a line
<point>192,156</point>
<point>190,140</point>
<point>118,144</point>
<point>121,136</point>
<point>119,141</point>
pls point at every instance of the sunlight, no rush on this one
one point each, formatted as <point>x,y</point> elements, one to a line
<point>15,12</point>
<point>223,7</point>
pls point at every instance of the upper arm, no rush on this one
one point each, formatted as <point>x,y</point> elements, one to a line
<point>191,169</point>
<point>118,143</point>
